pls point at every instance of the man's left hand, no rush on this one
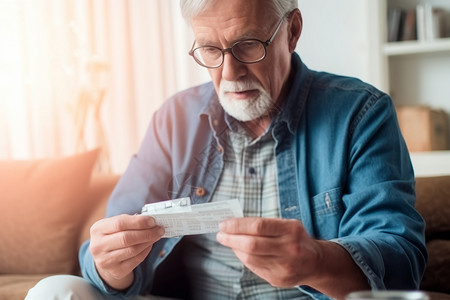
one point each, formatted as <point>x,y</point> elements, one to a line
<point>277,250</point>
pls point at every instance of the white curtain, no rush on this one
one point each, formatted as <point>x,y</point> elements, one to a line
<point>77,74</point>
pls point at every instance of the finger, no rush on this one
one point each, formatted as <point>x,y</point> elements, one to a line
<point>254,245</point>
<point>125,239</point>
<point>260,226</point>
<point>119,256</point>
<point>134,261</point>
<point>122,223</point>
<point>255,262</point>
<point>117,265</point>
<point>275,270</point>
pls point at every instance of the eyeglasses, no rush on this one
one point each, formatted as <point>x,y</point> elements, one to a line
<point>247,51</point>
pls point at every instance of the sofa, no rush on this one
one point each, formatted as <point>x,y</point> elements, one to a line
<point>48,206</point>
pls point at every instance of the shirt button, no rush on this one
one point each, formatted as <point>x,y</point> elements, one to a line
<point>162,253</point>
<point>251,170</point>
<point>200,192</point>
<point>215,123</point>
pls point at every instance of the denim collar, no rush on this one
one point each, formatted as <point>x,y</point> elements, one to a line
<point>295,102</point>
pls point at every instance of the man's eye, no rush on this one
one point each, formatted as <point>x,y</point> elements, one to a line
<point>248,44</point>
<point>209,50</point>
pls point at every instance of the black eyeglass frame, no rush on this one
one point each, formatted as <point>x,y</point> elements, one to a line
<point>230,49</point>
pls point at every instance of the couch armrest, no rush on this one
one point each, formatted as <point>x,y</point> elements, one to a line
<point>433,203</point>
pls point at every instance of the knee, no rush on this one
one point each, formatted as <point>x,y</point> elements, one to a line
<point>62,287</point>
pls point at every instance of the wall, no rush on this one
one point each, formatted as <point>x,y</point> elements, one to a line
<point>336,37</point>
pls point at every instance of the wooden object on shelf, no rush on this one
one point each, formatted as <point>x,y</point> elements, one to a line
<point>424,128</point>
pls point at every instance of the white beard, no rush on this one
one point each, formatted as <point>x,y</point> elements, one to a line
<point>240,109</point>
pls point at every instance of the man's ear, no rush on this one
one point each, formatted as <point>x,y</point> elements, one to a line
<point>295,27</point>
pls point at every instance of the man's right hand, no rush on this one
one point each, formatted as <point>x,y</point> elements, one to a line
<point>119,244</point>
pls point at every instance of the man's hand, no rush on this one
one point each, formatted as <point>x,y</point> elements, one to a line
<point>281,252</point>
<point>119,244</point>
<point>277,250</point>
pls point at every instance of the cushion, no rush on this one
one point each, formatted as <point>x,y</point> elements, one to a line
<point>437,273</point>
<point>43,204</point>
<point>433,203</point>
<point>100,189</point>
<point>15,287</point>
<point>438,296</point>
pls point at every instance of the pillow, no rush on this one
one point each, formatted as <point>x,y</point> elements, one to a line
<point>43,203</point>
<point>100,189</point>
<point>433,203</point>
<point>437,272</point>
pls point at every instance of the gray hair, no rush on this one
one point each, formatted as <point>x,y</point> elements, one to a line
<point>191,8</point>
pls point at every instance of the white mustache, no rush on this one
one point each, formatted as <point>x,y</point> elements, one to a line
<point>247,110</point>
<point>239,86</point>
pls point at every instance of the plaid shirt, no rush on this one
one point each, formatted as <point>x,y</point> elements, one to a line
<point>249,174</point>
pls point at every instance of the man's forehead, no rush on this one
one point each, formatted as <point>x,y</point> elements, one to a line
<point>204,38</point>
<point>210,27</point>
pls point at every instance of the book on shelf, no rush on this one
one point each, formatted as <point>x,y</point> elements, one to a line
<point>421,27</point>
<point>430,22</point>
<point>409,32</point>
<point>424,22</point>
<point>401,25</point>
<point>395,20</point>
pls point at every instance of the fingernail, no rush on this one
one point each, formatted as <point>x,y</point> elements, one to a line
<point>219,236</point>
<point>222,226</point>
<point>151,222</point>
<point>161,231</point>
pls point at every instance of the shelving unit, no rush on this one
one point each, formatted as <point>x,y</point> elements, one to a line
<point>417,73</point>
<point>434,163</point>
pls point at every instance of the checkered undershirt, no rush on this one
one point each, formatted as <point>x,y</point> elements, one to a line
<point>249,174</point>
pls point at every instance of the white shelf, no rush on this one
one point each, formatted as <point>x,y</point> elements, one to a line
<point>433,163</point>
<point>416,47</point>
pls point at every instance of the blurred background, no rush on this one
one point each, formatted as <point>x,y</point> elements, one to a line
<point>80,74</point>
<point>77,74</point>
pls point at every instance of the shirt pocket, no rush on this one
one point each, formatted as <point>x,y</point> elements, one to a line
<point>327,211</point>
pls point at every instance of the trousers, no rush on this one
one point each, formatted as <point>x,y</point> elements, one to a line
<point>70,287</point>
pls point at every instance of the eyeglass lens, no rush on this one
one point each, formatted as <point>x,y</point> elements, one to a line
<point>246,51</point>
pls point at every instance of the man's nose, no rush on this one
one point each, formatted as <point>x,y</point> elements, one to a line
<point>232,69</point>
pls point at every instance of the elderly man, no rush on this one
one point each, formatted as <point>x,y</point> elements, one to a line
<point>317,161</point>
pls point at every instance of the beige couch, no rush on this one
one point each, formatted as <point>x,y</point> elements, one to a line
<point>48,206</point>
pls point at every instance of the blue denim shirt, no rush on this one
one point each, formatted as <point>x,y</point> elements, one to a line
<point>343,170</point>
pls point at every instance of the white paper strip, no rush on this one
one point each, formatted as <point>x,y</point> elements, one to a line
<point>188,219</point>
